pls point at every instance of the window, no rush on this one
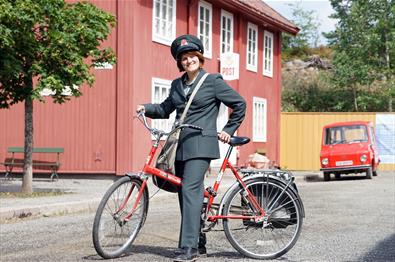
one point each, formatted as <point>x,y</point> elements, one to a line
<point>268,54</point>
<point>259,121</point>
<point>345,135</point>
<point>160,91</point>
<point>204,27</point>
<point>164,21</point>
<point>226,32</point>
<point>252,48</point>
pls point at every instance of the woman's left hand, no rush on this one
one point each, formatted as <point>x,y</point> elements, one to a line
<point>224,137</point>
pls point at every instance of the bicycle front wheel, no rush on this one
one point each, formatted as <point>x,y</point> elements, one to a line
<point>279,231</point>
<point>113,230</point>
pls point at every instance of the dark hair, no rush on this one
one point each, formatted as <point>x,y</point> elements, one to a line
<point>196,53</point>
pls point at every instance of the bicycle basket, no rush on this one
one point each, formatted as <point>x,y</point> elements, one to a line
<point>163,184</point>
<point>166,162</point>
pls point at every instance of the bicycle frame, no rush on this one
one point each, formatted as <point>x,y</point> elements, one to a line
<point>149,169</point>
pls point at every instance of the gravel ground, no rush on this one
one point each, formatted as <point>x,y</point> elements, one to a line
<point>351,219</point>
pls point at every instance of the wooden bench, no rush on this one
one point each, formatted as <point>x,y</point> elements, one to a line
<point>12,162</point>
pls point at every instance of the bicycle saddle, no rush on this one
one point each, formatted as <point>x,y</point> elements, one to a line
<point>238,140</point>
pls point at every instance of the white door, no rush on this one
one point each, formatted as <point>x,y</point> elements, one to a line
<point>223,148</point>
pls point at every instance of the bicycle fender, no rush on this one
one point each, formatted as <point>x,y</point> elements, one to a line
<point>137,175</point>
<point>140,176</point>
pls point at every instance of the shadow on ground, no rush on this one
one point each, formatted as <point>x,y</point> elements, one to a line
<point>383,251</point>
<point>320,178</point>
<point>168,253</point>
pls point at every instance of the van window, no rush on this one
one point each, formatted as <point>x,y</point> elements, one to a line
<point>346,134</point>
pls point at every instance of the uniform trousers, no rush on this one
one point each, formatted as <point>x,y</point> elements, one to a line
<point>190,197</point>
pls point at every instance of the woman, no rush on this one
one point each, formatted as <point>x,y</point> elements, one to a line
<point>196,148</point>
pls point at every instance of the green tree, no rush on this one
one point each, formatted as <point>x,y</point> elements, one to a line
<point>364,47</point>
<point>308,35</point>
<point>47,42</point>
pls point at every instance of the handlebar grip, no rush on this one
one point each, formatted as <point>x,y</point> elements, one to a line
<point>195,127</point>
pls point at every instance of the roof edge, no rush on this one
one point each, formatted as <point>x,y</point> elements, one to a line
<point>257,14</point>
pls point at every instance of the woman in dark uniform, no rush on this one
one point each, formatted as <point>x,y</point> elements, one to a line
<point>196,148</point>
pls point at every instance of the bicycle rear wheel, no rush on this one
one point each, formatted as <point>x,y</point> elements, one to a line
<point>112,234</point>
<point>269,239</point>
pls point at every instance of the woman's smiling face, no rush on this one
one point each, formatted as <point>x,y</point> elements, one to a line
<point>190,62</point>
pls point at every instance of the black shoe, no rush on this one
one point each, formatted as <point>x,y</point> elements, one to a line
<point>202,251</point>
<point>188,254</point>
<point>202,244</point>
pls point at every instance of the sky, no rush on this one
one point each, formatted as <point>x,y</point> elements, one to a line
<point>322,9</point>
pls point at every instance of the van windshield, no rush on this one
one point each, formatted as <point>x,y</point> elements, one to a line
<point>346,134</point>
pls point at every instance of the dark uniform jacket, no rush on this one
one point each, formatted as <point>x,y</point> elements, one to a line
<point>203,112</point>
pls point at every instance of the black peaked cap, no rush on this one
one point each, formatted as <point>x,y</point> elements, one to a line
<point>185,43</point>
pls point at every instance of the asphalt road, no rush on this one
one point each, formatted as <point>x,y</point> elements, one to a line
<point>351,219</point>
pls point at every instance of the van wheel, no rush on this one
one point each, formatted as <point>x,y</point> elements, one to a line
<point>369,173</point>
<point>375,173</point>
<point>327,176</point>
<point>337,176</point>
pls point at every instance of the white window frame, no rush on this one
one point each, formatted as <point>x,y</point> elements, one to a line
<point>252,66</point>
<point>226,15</point>
<point>162,124</point>
<point>268,54</point>
<point>163,38</point>
<point>209,34</point>
<point>259,119</point>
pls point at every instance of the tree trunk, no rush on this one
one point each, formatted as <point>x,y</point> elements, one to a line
<point>27,181</point>
<point>388,75</point>
<point>354,92</point>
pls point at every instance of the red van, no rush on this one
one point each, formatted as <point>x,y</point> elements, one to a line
<point>349,147</point>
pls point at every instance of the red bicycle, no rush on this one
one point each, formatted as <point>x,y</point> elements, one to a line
<point>262,212</point>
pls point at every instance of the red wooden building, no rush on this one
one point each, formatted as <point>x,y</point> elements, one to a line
<point>97,130</point>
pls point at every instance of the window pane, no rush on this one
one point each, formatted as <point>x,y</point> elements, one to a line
<point>164,11</point>
<point>157,9</point>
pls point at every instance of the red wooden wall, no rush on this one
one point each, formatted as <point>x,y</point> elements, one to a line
<point>97,130</point>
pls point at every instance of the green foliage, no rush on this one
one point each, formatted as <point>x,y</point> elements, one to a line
<point>363,57</point>
<point>49,41</point>
<point>316,92</point>
<point>298,46</point>
<point>364,46</point>
<point>305,53</point>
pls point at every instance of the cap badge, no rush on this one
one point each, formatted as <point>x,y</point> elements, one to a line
<point>184,42</point>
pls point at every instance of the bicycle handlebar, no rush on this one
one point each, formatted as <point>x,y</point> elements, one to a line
<point>143,118</point>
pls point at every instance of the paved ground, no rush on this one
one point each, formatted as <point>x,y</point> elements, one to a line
<point>351,219</point>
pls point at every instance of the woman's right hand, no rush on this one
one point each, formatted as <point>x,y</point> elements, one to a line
<point>140,108</point>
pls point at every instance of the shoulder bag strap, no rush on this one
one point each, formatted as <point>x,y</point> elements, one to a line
<point>199,84</point>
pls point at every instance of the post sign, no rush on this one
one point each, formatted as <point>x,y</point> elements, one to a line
<point>230,66</point>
